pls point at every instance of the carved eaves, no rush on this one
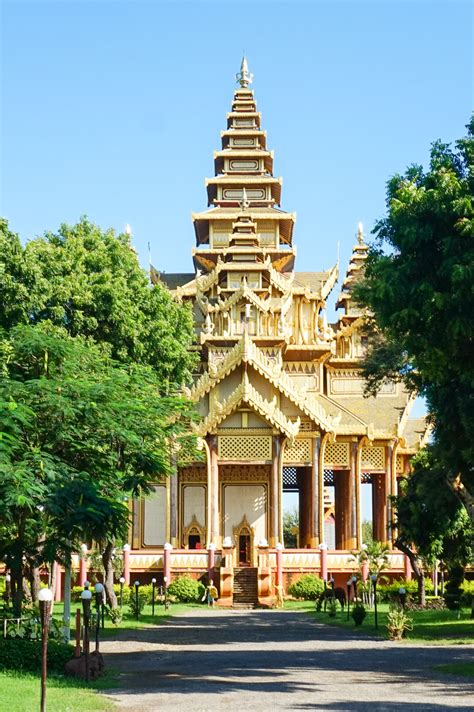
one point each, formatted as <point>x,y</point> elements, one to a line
<point>246,393</point>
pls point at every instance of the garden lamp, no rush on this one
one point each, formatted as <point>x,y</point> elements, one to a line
<point>86,597</point>
<point>99,595</point>
<point>45,597</point>
<point>373,578</point>
<point>122,581</point>
<point>137,612</point>
<point>153,584</point>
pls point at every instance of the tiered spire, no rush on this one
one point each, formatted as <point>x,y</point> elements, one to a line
<point>353,275</point>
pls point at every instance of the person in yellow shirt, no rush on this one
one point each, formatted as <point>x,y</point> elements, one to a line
<point>210,594</point>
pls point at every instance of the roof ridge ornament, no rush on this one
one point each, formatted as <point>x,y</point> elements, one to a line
<point>244,77</point>
<point>360,234</point>
<point>245,202</point>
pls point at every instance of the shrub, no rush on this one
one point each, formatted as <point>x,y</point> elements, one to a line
<point>308,587</point>
<point>30,628</point>
<point>358,613</point>
<point>398,623</point>
<point>389,592</point>
<point>25,655</point>
<point>136,603</point>
<point>186,589</point>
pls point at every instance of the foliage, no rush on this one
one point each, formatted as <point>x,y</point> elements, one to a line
<point>186,589</point>
<point>29,628</point>
<point>137,601</point>
<point>79,433</point>
<point>290,528</point>
<point>115,615</point>
<point>374,555</point>
<point>308,587</point>
<point>89,282</point>
<point>332,608</point>
<point>21,654</point>
<point>367,532</point>
<point>398,623</point>
<point>389,591</point>
<point>419,288</point>
<point>358,613</point>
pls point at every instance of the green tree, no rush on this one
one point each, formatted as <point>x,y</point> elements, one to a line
<point>290,528</point>
<point>79,434</point>
<point>89,282</point>
<point>419,288</point>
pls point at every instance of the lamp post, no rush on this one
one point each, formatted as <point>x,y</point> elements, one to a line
<point>86,597</point>
<point>122,581</point>
<point>402,593</point>
<point>373,578</point>
<point>331,581</point>
<point>8,583</point>
<point>45,598</point>
<point>354,586</point>
<point>99,594</point>
<point>137,586</point>
<point>153,584</point>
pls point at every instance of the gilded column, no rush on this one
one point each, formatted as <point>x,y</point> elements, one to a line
<point>174,501</point>
<point>314,537</point>
<point>322,448</point>
<point>274,509</point>
<point>352,498</point>
<point>212,491</point>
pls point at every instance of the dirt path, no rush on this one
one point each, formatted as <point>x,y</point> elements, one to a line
<point>263,660</point>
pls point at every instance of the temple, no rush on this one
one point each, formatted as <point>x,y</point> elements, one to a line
<point>278,390</point>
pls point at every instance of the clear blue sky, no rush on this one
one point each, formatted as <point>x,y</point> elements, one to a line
<point>112,109</point>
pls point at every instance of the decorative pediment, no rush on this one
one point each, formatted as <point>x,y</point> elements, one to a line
<point>246,393</point>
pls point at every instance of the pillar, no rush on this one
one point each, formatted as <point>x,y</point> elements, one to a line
<point>83,565</point>
<point>274,508</point>
<point>136,503</point>
<point>58,586</point>
<point>126,564</point>
<point>213,491</point>
<point>379,506</point>
<point>167,564</point>
<point>279,563</point>
<point>314,539</point>
<point>321,448</point>
<point>407,568</point>
<point>211,551</point>
<point>389,467</point>
<point>174,506</point>
<point>303,478</point>
<point>344,486</point>
<point>324,561</point>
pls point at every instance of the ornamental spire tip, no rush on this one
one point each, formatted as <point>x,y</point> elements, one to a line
<point>244,77</point>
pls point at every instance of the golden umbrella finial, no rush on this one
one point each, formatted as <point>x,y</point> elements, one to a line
<point>244,77</point>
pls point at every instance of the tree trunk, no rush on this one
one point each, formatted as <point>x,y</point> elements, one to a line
<point>16,572</point>
<point>417,570</point>
<point>35,583</point>
<point>109,575</point>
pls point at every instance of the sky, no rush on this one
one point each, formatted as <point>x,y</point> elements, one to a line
<point>113,109</point>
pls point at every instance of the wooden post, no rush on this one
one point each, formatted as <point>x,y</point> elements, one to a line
<point>77,648</point>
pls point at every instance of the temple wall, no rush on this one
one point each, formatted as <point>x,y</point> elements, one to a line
<point>155,509</point>
<point>248,501</point>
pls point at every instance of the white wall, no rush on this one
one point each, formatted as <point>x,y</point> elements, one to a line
<point>155,508</point>
<point>245,500</point>
<point>194,503</point>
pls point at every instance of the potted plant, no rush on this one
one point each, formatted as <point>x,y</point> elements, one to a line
<point>332,608</point>
<point>358,613</point>
<point>398,623</point>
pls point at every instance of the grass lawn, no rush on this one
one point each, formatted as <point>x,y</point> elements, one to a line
<point>62,694</point>
<point>440,627</point>
<point>463,669</point>
<point>22,690</point>
<point>146,619</point>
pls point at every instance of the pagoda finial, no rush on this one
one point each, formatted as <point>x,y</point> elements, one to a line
<point>244,77</point>
<point>360,234</point>
<point>245,202</point>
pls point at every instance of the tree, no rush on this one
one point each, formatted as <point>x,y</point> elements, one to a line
<point>290,528</point>
<point>428,514</point>
<point>89,282</point>
<point>79,434</point>
<point>419,288</point>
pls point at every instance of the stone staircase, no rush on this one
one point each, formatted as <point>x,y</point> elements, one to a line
<point>245,587</point>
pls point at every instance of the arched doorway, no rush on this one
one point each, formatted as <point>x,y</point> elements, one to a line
<point>243,537</point>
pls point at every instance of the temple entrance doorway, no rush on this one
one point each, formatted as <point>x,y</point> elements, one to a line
<point>244,554</point>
